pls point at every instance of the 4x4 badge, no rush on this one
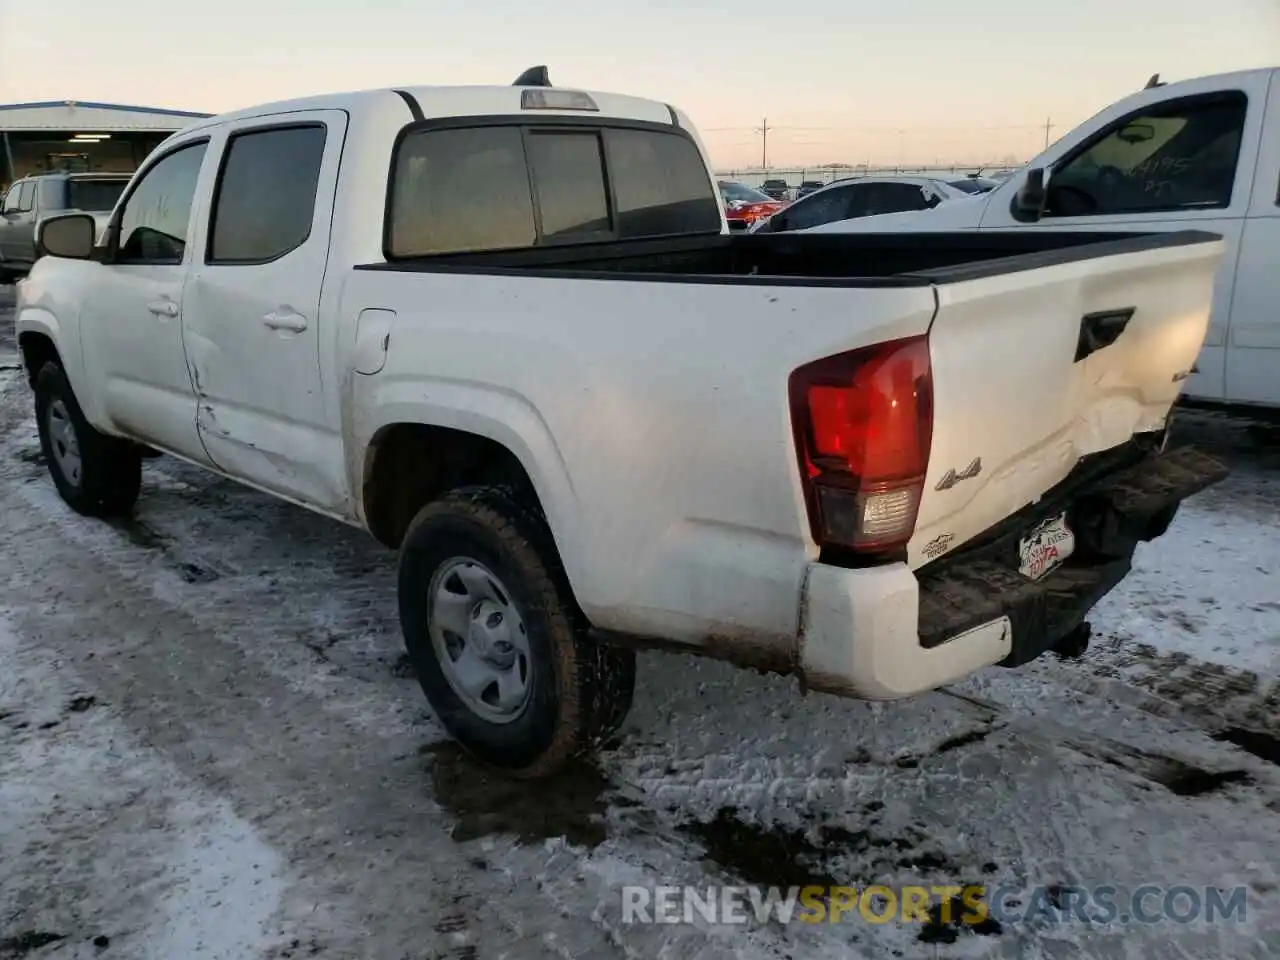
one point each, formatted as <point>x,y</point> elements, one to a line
<point>951,478</point>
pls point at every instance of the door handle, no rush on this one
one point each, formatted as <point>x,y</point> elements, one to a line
<point>285,320</point>
<point>163,308</point>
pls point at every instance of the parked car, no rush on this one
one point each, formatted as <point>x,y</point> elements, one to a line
<point>777,189</point>
<point>528,354</point>
<point>860,197</point>
<point>1202,154</point>
<point>807,187</point>
<point>31,198</point>
<point>745,205</point>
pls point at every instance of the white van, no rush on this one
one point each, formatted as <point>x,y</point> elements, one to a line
<point>1201,154</point>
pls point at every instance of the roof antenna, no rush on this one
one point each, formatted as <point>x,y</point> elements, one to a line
<point>1153,82</point>
<point>533,77</point>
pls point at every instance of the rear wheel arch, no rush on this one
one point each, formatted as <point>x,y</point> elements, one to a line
<point>409,464</point>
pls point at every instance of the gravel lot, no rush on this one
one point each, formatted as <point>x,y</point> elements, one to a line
<point>211,746</point>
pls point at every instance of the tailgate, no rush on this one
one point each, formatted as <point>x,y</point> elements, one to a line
<point>1039,366</point>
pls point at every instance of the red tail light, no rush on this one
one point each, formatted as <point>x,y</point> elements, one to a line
<point>863,425</point>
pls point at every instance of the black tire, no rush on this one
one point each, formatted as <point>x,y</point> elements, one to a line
<point>110,469</point>
<point>580,690</point>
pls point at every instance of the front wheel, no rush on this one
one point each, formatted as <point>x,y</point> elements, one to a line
<point>498,644</point>
<point>97,475</point>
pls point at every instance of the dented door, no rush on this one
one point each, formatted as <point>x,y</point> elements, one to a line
<point>252,307</point>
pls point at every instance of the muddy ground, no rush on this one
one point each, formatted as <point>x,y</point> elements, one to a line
<point>211,746</point>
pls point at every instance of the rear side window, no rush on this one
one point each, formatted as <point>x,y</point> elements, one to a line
<point>266,195</point>
<point>661,184</point>
<point>504,187</point>
<point>837,203</point>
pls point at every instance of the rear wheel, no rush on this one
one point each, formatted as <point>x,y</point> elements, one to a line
<point>95,474</point>
<point>498,644</point>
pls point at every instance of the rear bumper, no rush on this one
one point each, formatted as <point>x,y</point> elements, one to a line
<point>889,632</point>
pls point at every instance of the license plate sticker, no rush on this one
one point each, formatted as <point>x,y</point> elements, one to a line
<point>1045,547</point>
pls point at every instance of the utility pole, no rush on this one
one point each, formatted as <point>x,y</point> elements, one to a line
<point>763,130</point>
<point>1048,125</point>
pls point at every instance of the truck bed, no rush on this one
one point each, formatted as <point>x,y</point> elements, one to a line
<point>855,260</point>
<point>1044,348</point>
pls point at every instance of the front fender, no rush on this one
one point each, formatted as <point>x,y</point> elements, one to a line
<point>49,304</point>
<point>503,416</point>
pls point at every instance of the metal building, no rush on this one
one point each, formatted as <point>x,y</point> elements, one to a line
<point>81,136</point>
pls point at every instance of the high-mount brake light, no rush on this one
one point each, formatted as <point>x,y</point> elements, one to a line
<point>863,424</point>
<point>551,99</point>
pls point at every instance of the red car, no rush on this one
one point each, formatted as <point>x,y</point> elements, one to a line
<point>745,205</point>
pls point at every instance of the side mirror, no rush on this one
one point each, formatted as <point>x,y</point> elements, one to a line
<point>70,235</point>
<point>1030,199</point>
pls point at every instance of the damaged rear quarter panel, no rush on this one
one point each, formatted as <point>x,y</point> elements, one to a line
<point>652,418</point>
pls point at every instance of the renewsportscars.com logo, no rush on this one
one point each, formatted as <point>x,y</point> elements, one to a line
<point>973,905</point>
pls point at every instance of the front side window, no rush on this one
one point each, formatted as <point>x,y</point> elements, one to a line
<point>21,197</point>
<point>12,198</point>
<point>266,195</point>
<point>1180,155</point>
<point>154,222</point>
<point>474,189</point>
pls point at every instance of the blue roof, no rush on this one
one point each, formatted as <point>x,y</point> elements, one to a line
<point>45,104</point>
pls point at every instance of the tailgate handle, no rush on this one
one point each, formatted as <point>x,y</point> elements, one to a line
<point>1101,329</point>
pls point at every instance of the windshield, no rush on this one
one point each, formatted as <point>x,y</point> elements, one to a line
<point>734,191</point>
<point>95,196</point>
<point>972,184</point>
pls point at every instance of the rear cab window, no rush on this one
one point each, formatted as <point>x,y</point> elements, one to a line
<point>504,186</point>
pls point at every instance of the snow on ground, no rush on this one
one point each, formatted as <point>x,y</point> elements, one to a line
<point>211,746</point>
<point>121,840</point>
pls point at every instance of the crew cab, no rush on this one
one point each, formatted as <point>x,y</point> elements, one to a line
<point>507,331</point>
<point>1197,154</point>
<point>31,198</point>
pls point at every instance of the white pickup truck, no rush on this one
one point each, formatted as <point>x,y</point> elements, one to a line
<point>506,330</point>
<point>1199,154</point>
